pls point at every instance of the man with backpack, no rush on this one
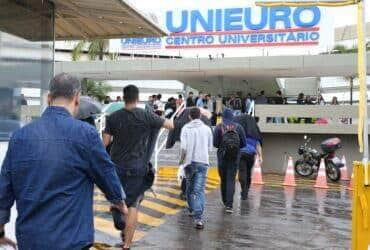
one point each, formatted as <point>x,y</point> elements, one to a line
<point>229,138</point>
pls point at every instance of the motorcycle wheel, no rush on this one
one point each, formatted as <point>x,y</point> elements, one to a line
<point>332,172</point>
<point>302,168</point>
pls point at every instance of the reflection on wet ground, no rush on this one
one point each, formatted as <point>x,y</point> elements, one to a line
<point>272,218</point>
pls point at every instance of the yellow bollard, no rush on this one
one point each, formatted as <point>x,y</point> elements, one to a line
<point>361,209</point>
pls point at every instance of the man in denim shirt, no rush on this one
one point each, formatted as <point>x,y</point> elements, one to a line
<point>50,170</point>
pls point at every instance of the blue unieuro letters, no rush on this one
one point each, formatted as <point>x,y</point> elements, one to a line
<point>205,23</point>
<point>233,19</point>
<point>316,16</point>
<point>183,23</point>
<point>237,19</point>
<point>280,14</point>
<point>248,19</point>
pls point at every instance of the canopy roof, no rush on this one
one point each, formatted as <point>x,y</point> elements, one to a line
<point>86,19</point>
<point>75,20</point>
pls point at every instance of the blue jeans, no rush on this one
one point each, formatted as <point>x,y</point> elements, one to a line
<point>196,175</point>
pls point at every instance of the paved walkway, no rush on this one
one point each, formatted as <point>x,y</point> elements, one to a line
<point>274,217</point>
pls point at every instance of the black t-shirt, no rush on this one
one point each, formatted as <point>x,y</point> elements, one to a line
<point>131,131</point>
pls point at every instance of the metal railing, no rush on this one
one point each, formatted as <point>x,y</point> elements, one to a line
<point>160,145</point>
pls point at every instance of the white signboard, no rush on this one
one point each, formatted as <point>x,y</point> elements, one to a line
<point>237,28</point>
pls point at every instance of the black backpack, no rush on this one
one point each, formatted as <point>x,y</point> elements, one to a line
<point>230,144</point>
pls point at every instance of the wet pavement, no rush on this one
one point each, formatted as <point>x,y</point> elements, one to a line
<point>272,218</point>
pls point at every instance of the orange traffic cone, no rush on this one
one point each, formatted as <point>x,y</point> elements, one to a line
<point>257,173</point>
<point>344,170</point>
<point>350,187</point>
<point>289,176</point>
<point>321,177</point>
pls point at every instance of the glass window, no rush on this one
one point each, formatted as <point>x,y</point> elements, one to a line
<point>26,61</point>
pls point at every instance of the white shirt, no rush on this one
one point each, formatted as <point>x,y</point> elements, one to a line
<point>196,140</point>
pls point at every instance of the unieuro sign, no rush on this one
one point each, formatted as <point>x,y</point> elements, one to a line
<point>236,27</point>
<point>241,19</point>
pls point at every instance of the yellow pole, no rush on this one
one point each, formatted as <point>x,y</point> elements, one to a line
<point>363,116</point>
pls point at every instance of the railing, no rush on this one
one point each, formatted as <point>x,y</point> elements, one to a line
<point>159,146</point>
<point>311,119</point>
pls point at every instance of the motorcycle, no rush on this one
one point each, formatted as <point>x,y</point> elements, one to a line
<point>311,158</point>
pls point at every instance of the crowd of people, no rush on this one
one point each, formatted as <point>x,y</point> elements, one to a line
<point>53,164</point>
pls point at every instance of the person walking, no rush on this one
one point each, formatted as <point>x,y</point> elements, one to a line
<point>229,138</point>
<point>251,152</point>
<point>134,132</point>
<point>196,140</point>
<point>50,170</point>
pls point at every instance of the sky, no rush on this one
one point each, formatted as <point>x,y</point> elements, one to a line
<point>342,15</point>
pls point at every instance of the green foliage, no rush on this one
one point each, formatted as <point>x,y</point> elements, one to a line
<point>341,49</point>
<point>95,89</point>
<point>96,50</point>
<point>77,51</point>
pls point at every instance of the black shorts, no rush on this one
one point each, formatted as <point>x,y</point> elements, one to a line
<point>134,189</point>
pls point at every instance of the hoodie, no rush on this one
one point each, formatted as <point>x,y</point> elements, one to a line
<point>196,140</point>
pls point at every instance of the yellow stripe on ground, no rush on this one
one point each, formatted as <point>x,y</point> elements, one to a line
<point>208,185</point>
<point>168,199</point>
<point>149,220</point>
<point>159,208</point>
<point>105,226</point>
<point>168,190</point>
<point>142,218</point>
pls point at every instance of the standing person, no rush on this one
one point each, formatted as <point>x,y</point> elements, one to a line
<point>321,101</point>
<point>50,170</point>
<point>170,107</point>
<point>134,133</point>
<point>200,100</point>
<point>261,98</point>
<point>149,105</point>
<point>118,99</point>
<point>190,100</point>
<point>211,107</point>
<point>248,103</point>
<point>279,100</point>
<point>237,105</point>
<point>107,100</point>
<point>249,153</point>
<point>179,101</point>
<point>196,140</point>
<point>159,104</point>
<point>23,100</point>
<point>334,101</point>
<point>219,105</point>
<point>229,138</point>
<point>300,101</point>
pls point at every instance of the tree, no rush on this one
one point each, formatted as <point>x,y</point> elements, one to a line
<point>96,50</point>
<point>95,89</point>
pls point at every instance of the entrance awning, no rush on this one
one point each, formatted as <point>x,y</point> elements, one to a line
<point>75,20</point>
<point>87,19</point>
